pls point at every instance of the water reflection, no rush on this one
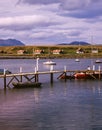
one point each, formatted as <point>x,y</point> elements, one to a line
<point>70,105</point>
<point>36,95</point>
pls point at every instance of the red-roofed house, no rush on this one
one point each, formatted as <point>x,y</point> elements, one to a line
<point>38,51</point>
<point>57,51</point>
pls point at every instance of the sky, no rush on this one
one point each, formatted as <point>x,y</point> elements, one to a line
<point>48,22</point>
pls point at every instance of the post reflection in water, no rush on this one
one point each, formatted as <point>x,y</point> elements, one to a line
<point>36,95</point>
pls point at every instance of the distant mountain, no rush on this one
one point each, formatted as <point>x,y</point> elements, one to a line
<point>75,43</point>
<point>11,42</point>
<point>79,43</point>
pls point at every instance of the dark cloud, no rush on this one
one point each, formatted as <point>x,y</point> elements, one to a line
<point>89,14</point>
<point>73,8</point>
<point>87,9</point>
<point>51,20</point>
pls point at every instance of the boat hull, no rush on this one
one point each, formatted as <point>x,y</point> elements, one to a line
<point>98,61</point>
<point>49,63</point>
<point>82,75</point>
<point>26,84</point>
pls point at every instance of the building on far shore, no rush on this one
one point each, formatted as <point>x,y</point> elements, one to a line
<point>20,52</point>
<point>94,51</point>
<point>38,51</point>
<point>79,51</point>
<point>57,51</point>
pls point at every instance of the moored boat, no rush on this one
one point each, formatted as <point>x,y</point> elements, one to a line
<point>77,60</point>
<point>49,63</point>
<point>6,71</point>
<point>98,61</point>
<point>88,75</point>
<point>82,75</point>
<point>26,84</point>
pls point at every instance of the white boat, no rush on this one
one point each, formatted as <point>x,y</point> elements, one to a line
<point>77,60</point>
<point>49,63</point>
<point>98,61</point>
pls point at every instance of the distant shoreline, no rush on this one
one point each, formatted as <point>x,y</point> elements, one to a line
<point>50,57</point>
<point>29,52</point>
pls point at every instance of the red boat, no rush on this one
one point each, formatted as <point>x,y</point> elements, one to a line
<point>80,75</point>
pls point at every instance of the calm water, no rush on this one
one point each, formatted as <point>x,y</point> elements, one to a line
<point>71,105</point>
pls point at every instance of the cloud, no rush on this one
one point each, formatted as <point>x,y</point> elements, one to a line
<point>26,22</point>
<point>50,20</point>
<point>39,1</point>
<point>82,9</point>
<point>73,8</point>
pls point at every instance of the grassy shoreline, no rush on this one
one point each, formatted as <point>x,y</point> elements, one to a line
<point>69,51</point>
<point>63,56</point>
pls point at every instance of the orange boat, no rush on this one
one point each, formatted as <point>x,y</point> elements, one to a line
<point>80,75</point>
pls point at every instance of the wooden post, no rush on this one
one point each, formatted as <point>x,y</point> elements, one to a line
<point>36,78</point>
<point>99,72</point>
<point>51,74</point>
<point>4,79</point>
<point>20,75</point>
<point>51,78</point>
<point>37,64</point>
<point>93,67</point>
<point>36,75</point>
<point>65,73</point>
<point>65,76</point>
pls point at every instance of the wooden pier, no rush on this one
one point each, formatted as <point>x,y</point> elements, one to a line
<point>19,77</point>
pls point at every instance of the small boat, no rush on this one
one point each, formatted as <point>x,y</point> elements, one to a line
<point>88,75</point>
<point>49,63</point>
<point>98,61</point>
<point>26,84</point>
<point>6,71</point>
<point>80,75</point>
<point>77,60</point>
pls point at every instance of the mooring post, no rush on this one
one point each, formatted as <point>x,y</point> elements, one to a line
<point>4,78</point>
<point>99,72</point>
<point>20,75</point>
<point>37,64</point>
<point>36,78</point>
<point>51,74</point>
<point>51,78</point>
<point>36,75</point>
<point>93,68</point>
<point>65,73</point>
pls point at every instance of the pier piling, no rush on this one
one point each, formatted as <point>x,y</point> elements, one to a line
<point>4,79</point>
<point>51,78</point>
